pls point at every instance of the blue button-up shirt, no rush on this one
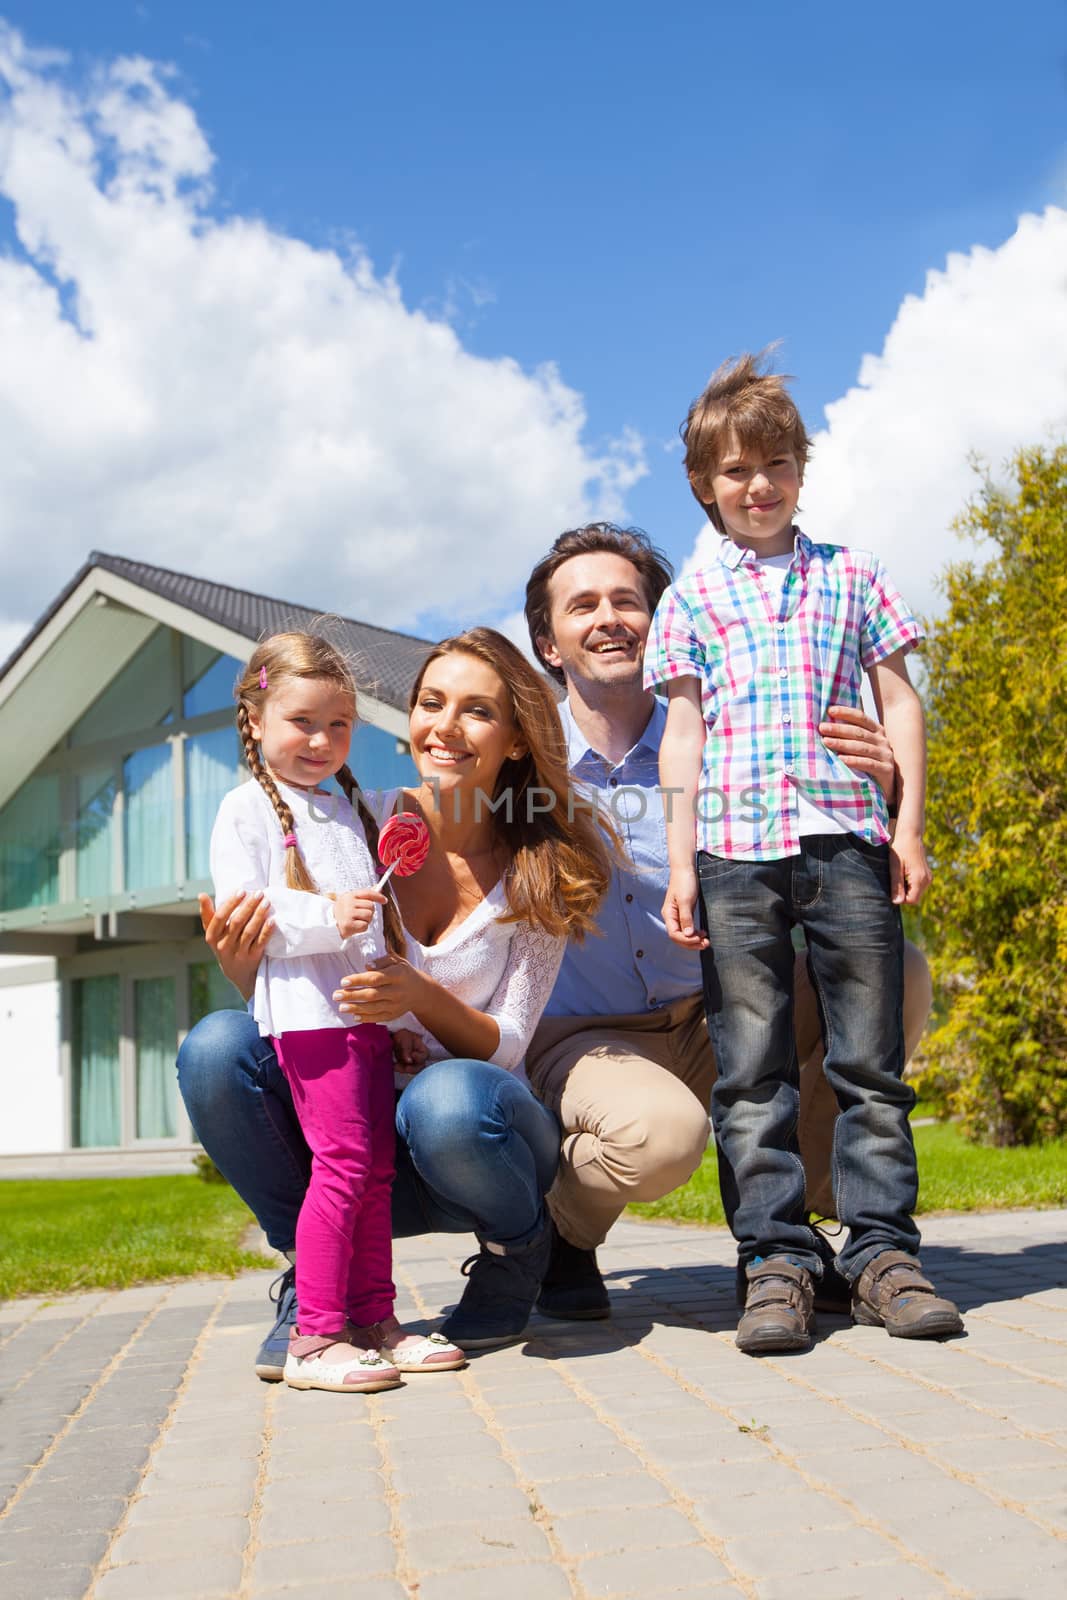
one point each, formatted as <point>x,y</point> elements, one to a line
<point>633,967</point>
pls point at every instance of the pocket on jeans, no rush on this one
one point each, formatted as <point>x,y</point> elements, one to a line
<point>712,870</point>
<point>865,860</point>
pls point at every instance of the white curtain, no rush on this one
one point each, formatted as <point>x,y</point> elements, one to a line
<point>211,770</point>
<point>29,845</point>
<point>97,1116</point>
<point>149,818</point>
<point>155,1042</point>
<point>96,797</point>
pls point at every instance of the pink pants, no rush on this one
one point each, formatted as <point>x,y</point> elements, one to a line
<point>342,1083</point>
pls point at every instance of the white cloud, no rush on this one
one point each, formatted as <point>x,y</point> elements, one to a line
<point>976,364</point>
<point>11,636</point>
<point>210,394</point>
<point>513,627</point>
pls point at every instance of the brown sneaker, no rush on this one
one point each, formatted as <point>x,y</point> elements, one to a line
<point>779,1308</point>
<point>891,1293</point>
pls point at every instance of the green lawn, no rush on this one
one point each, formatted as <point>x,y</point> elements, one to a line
<point>103,1233</point>
<point>953,1176</point>
<point>106,1233</point>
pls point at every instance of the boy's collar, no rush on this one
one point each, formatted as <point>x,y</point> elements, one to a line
<point>733,555</point>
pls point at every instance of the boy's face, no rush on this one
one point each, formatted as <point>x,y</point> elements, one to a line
<point>756,490</point>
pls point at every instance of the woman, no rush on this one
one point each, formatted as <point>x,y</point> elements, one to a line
<point>512,872</point>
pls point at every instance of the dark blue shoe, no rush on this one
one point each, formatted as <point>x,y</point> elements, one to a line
<point>502,1285</point>
<point>270,1362</point>
<point>573,1289</point>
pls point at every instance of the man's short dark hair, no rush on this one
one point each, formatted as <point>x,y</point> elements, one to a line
<point>596,538</point>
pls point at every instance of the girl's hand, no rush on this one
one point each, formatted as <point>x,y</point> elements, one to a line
<point>389,988</point>
<point>409,1051</point>
<point>353,911</point>
<point>678,908</point>
<point>909,870</point>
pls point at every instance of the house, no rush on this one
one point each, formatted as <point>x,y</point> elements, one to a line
<point>118,740</point>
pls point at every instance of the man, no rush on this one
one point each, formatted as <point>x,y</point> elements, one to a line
<point>622,1052</point>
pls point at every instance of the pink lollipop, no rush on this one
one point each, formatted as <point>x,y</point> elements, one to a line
<point>403,845</point>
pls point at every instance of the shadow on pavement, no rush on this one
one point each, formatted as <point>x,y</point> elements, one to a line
<point>688,1296</point>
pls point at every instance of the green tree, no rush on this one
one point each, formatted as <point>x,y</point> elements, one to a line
<point>995,921</point>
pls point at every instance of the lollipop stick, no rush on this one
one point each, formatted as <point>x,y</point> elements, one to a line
<point>384,879</point>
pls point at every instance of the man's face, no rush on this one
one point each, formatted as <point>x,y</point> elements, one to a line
<point>599,618</point>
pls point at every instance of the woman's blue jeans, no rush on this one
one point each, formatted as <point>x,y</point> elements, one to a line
<point>476,1153</point>
<point>837,888</point>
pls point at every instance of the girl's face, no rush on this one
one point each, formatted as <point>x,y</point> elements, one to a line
<point>462,725</point>
<point>304,729</point>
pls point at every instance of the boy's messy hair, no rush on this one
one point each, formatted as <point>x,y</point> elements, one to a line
<point>744,406</point>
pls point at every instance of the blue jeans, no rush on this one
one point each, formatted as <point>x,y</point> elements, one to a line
<point>837,890</point>
<point>475,1151</point>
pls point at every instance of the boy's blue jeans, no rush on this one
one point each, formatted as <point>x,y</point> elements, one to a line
<point>475,1152</point>
<point>837,890</point>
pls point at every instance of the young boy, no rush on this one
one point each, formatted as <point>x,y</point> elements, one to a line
<point>752,649</point>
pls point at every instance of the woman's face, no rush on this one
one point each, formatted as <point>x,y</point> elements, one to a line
<point>462,725</point>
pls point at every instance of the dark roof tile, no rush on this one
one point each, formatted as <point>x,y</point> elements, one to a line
<point>385,662</point>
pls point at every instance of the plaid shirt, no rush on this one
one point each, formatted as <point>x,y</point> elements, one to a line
<point>768,672</point>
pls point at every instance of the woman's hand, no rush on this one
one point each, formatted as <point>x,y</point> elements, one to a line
<point>678,907</point>
<point>237,933</point>
<point>384,992</point>
<point>862,745</point>
<point>353,911</point>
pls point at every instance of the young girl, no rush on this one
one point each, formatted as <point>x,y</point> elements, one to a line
<point>315,852</point>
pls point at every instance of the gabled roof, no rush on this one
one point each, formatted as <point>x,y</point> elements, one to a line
<point>112,606</point>
<point>386,661</point>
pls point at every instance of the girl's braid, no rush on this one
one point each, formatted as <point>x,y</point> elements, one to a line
<point>394,928</point>
<point>297,875</point>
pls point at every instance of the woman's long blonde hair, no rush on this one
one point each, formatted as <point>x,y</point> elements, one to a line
<point>303,655</point>
<point>559,860</point>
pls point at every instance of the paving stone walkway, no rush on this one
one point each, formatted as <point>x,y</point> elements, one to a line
<point>140,1459</point>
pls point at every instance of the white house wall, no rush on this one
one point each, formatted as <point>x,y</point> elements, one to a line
<point>31,1068</point>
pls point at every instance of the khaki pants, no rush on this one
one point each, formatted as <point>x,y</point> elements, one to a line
<point>633,1093</point>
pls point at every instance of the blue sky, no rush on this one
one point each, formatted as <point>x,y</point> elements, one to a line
<point>631,194</point>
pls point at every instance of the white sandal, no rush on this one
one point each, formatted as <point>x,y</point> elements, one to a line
<point>332,1363</point>
<point>411,1352</point>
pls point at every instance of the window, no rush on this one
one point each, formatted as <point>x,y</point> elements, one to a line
<point>96,1113</point>
<point>207,679</point>
<point>148,819</point>
<point>124,1044</point>
<point>94,800</point>
<point>210,991</point>
<point>212,767</point>
<point>30,844</point>
<point>154,1044</point>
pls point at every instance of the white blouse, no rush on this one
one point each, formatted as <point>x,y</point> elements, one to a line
<point>505,969</point>
<point>306,956</point>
